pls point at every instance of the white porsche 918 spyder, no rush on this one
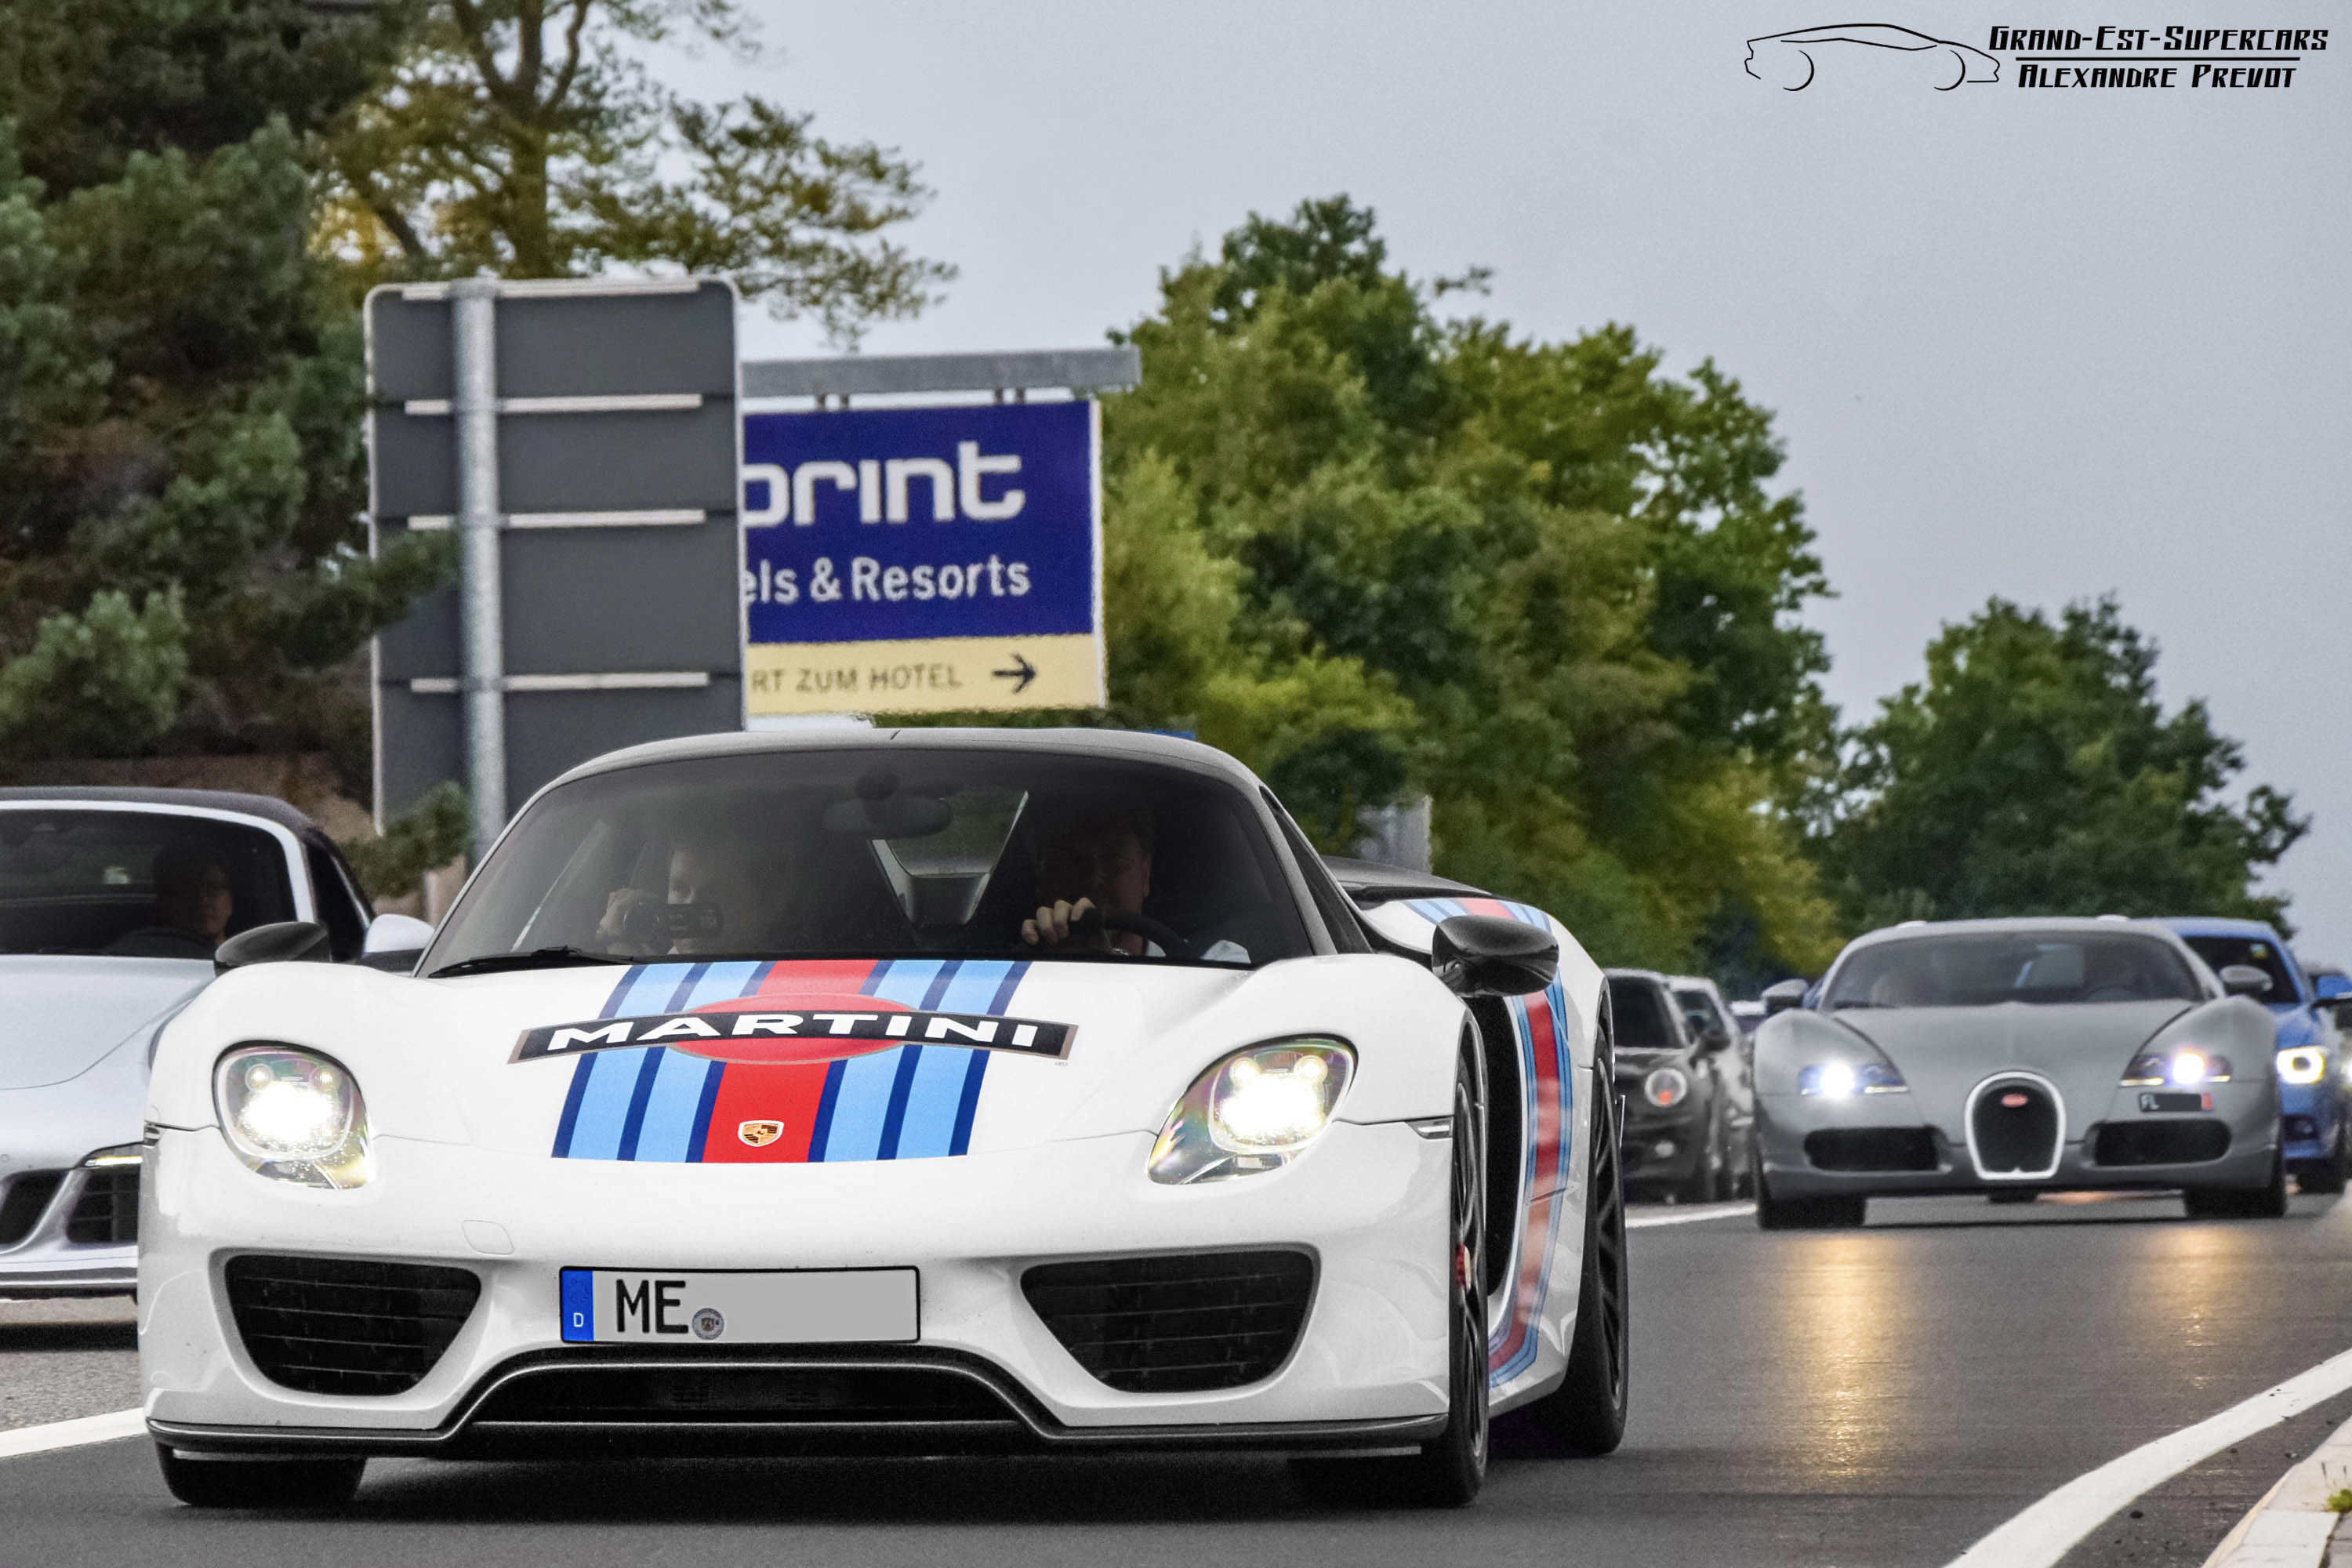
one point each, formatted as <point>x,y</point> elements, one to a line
<point>919,1091</point>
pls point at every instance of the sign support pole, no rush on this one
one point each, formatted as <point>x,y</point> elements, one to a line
<point>474,331</point>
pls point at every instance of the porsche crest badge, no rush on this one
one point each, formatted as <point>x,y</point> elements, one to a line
<point>760,1134</point>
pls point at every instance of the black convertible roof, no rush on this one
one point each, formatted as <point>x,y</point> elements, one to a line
<point>1370,882</point>
<point>269,808</point>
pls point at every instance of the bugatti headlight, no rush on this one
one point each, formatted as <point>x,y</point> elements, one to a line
<point>1254,1110</point>
<point>1840,1080</point>
<point>293,1115</point>
<point>2182,1067</point>
<point>2303,1064</point>
<point>1666,1087</point>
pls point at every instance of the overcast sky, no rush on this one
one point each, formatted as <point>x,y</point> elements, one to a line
<point>2040,344</point>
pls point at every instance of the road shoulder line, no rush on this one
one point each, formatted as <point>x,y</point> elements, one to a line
<point>1690,1215</point>
<point>109,1428</point>
<point>2293,1526</point>
<point>2048,1530</point>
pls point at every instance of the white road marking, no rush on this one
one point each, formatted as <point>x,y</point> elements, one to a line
<point>1690,1215</point>
<point>2046,1531</point>
<point>107,1428</point>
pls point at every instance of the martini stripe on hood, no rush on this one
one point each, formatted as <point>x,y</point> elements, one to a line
<point>911,1101</point>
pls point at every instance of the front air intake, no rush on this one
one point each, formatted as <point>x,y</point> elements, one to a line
<point>347,1325</point>
<point>2015,1124</point>
<point>2192,1141</point>
<point>1872,1149</point>
<point>108,1209</point>
<point>1178,1323</point>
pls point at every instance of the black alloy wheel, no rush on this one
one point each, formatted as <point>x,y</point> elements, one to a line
<point>1585,1416</point>
<point>1449,1470</point>
<point>273,1484</point>
<point>1450,1467</point>
<point>1837,1211</point>
<point>2267,1202</point>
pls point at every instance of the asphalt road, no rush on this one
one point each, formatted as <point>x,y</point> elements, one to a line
<point>1882,1396</point>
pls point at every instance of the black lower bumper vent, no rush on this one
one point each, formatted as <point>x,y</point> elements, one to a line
<point>25,1201</point>
<point>1177,1323</point>
<point>2184,1142</point>
<point>688,1395</point>
<point>1872,1149</point>
<point>108,1209</point>
<point>347,1325</point>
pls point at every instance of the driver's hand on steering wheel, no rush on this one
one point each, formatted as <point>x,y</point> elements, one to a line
<point>1052,923</point>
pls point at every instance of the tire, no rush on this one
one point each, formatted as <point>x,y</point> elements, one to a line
<point>1450,1467</point>
<point>1705,1182</point>
<point>2325,1177</point>
<point>1585,1416</point>
<point>2268,1202</point>
<point>260,1483</point>
<point>1839,1211</point>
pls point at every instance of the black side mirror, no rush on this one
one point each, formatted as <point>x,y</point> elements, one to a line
<point>286,941</point>
<point>1485,955</point>
<point>2245,980</point>
<point>1782,997</point>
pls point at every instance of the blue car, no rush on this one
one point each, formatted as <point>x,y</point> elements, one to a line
<point>2311,1053</point>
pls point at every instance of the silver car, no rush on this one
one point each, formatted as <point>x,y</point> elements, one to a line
<point>2014,1057</point>
<point>111,904</point>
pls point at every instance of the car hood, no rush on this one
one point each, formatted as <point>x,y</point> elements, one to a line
<point>61,1012</point>
<point>841,1060</point>
<point>1945,1052</point>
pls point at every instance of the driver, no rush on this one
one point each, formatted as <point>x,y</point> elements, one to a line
<point>1097,859</point>
<point>193,904</point>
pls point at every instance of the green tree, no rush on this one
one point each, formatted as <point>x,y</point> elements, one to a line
<point>180,382</point>
<point>2034,772</point>
<point>525,138</point>
<point>1373,551</point>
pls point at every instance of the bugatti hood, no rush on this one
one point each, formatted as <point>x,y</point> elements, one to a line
<point>1945,1052</point>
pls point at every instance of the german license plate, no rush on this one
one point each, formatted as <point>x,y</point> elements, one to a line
<point>779,1306</point>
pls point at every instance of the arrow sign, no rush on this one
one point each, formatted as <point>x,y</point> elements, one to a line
<point>1021,675</point>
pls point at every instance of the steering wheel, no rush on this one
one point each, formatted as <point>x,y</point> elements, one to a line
<point>1157,931</point>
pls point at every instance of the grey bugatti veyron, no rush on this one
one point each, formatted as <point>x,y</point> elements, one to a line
<point>2013,1056</point>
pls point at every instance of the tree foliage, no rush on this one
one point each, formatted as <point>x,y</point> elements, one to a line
<point>2034,772</point>
<point>180,382</point>
<point>525,138</point>
<point>1373,551</point>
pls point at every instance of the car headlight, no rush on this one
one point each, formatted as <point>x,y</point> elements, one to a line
<point>1838,1081</point>
<point>2303,1064</point>
<point>2182,1067</point>
<point>1254,1110</point>
<point>293,1115</point>
<point>1667,1087</point>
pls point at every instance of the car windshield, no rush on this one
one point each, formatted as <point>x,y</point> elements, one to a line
<point>882,853</point>
<point>134,884</point>
<point>1698,1009</point>
<point>1978,968</point>
<point>1638,1015</point>
<point>2220,951</point>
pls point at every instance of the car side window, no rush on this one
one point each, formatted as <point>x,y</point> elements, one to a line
<point>340,904</point>
<point>1338,911</point>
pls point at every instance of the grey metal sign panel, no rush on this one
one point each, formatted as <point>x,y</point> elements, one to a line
<point>597,519</point>
<point>550,732</point>
<point>567,343</point>
<point>627,461</point>
<point>622,599</point>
